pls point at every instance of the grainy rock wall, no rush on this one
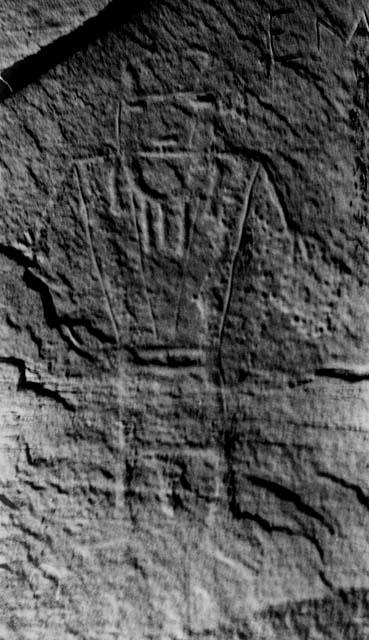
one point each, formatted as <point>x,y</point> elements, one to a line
<point>184,336</point>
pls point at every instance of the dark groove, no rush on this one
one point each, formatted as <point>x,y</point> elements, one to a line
<point>52,318</point>
<point>16,256</point>
<point>7,502</point>
<point>30,68</point>
<point>187,224</point>
<point>36,284</point>
<point>361,496</point>
<point>283,493</point>
<point>346,375</point>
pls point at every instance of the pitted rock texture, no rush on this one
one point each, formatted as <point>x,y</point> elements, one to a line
<point>184,346</point>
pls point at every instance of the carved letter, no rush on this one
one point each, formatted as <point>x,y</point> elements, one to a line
<point>360,27</point>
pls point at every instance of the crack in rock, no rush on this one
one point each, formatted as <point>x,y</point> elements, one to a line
<point>30,68</point>
<point>38,388</point>
<point>286,494</point>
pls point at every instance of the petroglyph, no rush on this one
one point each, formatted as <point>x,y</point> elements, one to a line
<point>183,321</point>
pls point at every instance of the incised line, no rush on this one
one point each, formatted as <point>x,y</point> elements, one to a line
<point>227,301</point>
<point>6,84</point>
<point>86,220</point>
<point>118,117</point>
<point>134,215</point>
<point>210,195</point>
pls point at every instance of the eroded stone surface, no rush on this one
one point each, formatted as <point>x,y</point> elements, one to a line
<point>184,337</point>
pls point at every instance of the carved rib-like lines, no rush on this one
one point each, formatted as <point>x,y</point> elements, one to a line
<point>137,221</point>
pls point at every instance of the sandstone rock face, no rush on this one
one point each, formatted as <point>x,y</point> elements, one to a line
<point>184,336</point>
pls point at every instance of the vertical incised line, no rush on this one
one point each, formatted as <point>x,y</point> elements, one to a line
<point>142,264</point>
<point>227,300</point>
<point>118,119</point>
<point>189,233</point>
<point>86,219</point>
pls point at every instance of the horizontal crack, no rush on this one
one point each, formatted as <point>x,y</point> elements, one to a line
<point>347,374</point>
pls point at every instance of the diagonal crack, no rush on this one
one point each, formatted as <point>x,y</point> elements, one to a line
<point>271,528</point>
<point>361,496</point>
<point>30,68</point>
<point>63,324</point>
<point>7,502</point>
<point>286,494</point>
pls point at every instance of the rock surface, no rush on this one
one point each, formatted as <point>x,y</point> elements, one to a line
<point>184,350</point>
